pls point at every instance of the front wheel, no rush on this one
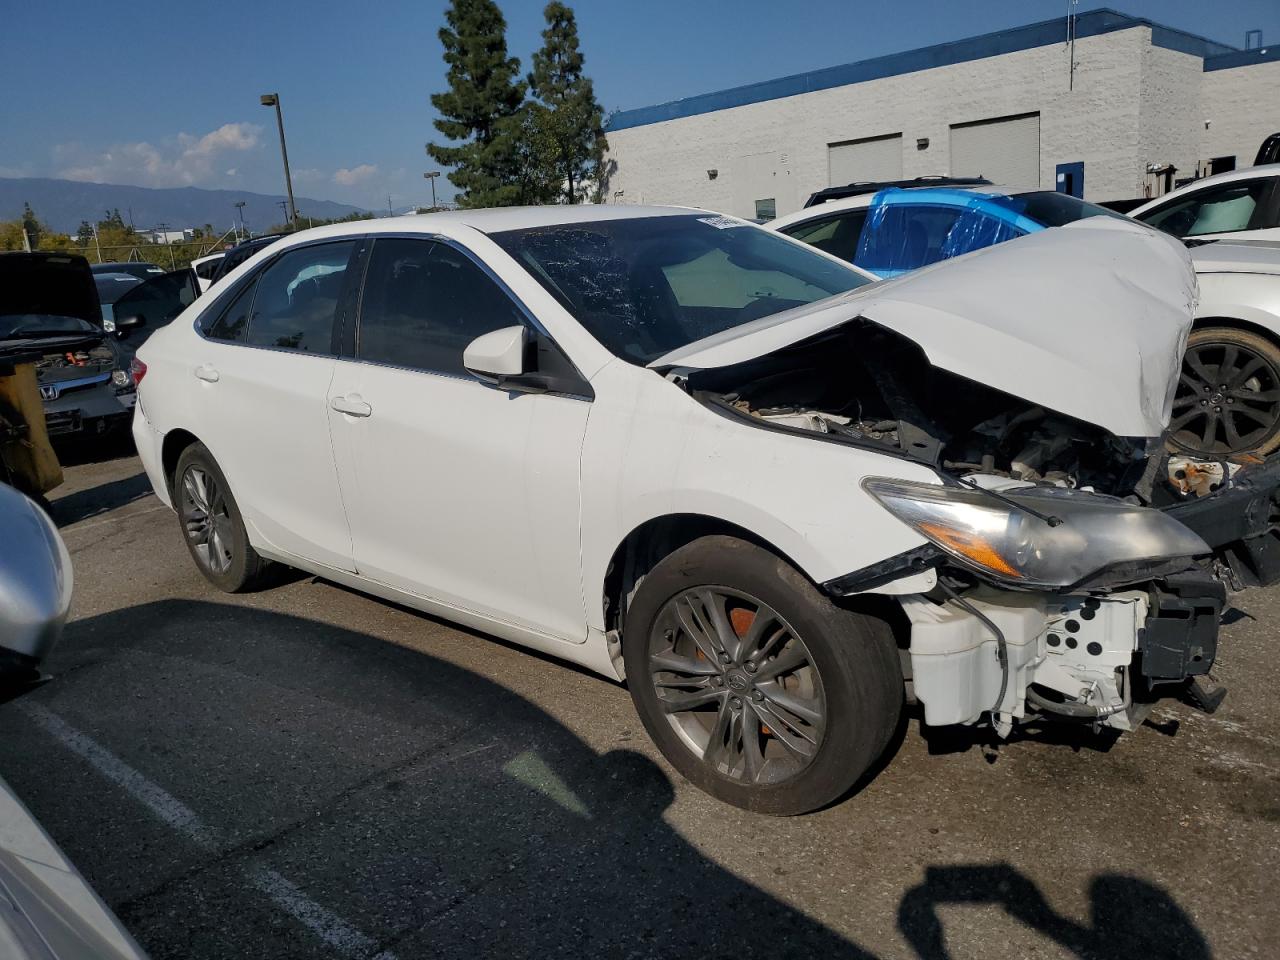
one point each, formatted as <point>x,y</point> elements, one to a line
<point>1228,397</point>
<point>754,685</point>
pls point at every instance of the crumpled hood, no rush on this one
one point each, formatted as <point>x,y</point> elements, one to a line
<point>1090,320</point>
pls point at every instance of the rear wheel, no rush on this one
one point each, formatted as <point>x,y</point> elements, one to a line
<point>211,523</point>
<point>1228,397</point>
<point>755,686</point>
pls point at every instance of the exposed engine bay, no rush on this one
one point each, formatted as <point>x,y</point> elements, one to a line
<point>73,364</point>
<point>1098,652</point>
<point>867,385</point>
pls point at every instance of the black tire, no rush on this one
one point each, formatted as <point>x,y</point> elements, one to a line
<point>1244,417</point>
<point>238,566</point>
<point>856,678</point>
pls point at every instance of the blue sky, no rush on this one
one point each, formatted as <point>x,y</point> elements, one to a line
<point>166,94</point>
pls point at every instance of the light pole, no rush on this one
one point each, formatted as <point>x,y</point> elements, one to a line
<point>240,210</point>
<point>432,177</point>
<point>273,100</point>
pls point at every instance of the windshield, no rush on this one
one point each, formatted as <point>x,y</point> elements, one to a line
<point>42,325</point>
<point>645,286</point>
<point>1054,209</point>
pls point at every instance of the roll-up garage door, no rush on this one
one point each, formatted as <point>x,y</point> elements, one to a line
<point>1006,151</point>
<point>876,158</point>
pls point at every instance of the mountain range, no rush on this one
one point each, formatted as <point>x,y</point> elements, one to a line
<point>62,204</point>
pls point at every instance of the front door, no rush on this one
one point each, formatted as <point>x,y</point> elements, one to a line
<point>456,491</point>
<point>264,371</point>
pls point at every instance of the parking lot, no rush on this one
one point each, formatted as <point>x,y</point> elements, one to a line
<point>308,772</point>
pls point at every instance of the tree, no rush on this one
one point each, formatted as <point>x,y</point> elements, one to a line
<point>84,234</point>
<point>568,114</point>
<point>480,112</point>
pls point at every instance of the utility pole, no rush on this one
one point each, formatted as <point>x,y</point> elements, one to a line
<point>96,242</point>
<point>432,177</point>
<point>389,212</point>
<point>283,212</point>
<point>239,205</point>
<point>273,100</point>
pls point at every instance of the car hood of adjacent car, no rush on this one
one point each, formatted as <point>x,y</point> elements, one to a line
<point>1090,320</point>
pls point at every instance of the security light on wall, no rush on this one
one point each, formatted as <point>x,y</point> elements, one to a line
<point>922,143</point>
<point>712,174</point>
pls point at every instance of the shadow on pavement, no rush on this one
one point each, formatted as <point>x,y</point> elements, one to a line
<point>75,450</point>
<point>1131,918</point>
<point>101,499</point>
<point>439,812</point>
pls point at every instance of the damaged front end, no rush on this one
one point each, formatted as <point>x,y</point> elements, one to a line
<point>1070,569</point>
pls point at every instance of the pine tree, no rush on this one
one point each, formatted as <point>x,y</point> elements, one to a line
<point>481,110</point>
<point>568,113</point>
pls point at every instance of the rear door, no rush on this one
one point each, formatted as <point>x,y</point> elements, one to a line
<point>263,375</point>
<point>152,304</point>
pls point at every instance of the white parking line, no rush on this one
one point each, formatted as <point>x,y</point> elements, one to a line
<point>324,923</point>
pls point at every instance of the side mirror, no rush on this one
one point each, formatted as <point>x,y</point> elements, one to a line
<point>496,355</point>
<point>124,323</point>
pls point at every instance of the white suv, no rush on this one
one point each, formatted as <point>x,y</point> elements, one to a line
<point>672,446</point>
<point>1242,204</point>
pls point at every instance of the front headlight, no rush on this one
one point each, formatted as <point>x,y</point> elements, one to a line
<point>1096,532</point>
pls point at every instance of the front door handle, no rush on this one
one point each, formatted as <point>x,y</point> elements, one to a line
<point>351,405</point>
<point>207,373</point>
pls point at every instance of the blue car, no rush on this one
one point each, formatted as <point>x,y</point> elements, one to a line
<point>896,230</point>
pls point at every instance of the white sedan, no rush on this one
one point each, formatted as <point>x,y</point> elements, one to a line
<point>674,447</point>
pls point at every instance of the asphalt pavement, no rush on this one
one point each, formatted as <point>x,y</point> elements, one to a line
<point>308,772</point>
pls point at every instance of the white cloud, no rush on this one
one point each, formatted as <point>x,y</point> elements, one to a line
<point>183,160</point>
<point>309,175</point>
<point>232,172</point>
<point>350,177</point>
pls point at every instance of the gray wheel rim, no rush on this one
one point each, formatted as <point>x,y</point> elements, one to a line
<point>1228,399</point>
<point>737,685</point>
<point>207,519</point>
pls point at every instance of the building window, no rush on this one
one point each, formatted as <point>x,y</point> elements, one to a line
<point>766,209</point>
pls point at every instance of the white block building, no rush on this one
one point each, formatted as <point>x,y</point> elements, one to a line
<point>1005,105</point>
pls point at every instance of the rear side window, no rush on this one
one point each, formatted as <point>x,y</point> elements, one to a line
<point>206,270</point>
<point>837,235</point>
<point>297,298</point>
<point>424,302</point>
<point>1221,209</point>
<point>233,323</point>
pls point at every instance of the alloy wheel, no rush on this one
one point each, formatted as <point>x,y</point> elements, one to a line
<point>1228,399</point>
<point>737,684</point>
<point>207,519</point>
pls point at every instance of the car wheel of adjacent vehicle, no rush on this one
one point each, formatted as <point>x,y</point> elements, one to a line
<point>754,685</point>
<point>1228,398</point>
<point>211,523</point>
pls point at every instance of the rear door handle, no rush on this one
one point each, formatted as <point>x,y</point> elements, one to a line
<point>351,405</point>
<point>207,373</point>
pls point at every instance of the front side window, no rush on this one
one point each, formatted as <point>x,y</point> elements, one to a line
<point>424,302</point>
<point>644,286</point>
<point>297,298</point>
<point>1221,209</point>
<point>837,235</point>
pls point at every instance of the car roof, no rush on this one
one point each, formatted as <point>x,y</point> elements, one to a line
<point>490,220</point>
<point>823,210</point>
<point>875,186</point>
<point>1244,173</point>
